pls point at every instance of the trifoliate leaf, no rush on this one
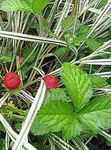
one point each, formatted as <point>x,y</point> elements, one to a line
<point>78,85</point>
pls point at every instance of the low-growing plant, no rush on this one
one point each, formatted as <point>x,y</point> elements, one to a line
<point>55,90</point>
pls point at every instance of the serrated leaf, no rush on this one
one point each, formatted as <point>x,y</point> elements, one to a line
<point>78,85</point>
<point>93,44</point>
<point>34,6</point>
<point>98,82</point>
<point>96,115</point>
<point>39,128</point>
<point>73,130</point>
<point>56,94</point>
<point>16,5</point>
<point>57,116</point>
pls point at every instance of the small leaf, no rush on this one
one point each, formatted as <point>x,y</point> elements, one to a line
<point>93,44</point>
<point>78,85</point>
<point>96,115</point>
<point>5,59</point>
<point>98,82</point>
<point>39,5</point>
<point>56,94</point>
<point>81,35</point>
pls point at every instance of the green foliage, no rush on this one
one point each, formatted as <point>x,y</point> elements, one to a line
<point>27,54</point>
<point>2,144</point>
<point>10,112</point>
<point>77,117</point>
<point>96,115</point>
<point>34,6</point>
<point>102,3</point>
<point>56,94</point>
<point>73,22</point>
<point>93,44</point>
<point>61,51</point>
<point>16,5</point>
<point>81,35</point>
<point>78,85</point>
<point>5,59</point>
<point>98,82</point>
<point>57,116</point>
<point>77,36</point>
<point>38,5</point>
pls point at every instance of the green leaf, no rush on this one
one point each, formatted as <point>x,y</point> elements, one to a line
<point>81,35</point>
<point>39,5</point>
<point>96,115</point>
<point>98,82</point>
<point>78,85</point>
<point>34,6</point>
<point>102,3</point>
<point>16,5</point>
<point>61,51</point>
<point>72,130</point>
<point>69,38</point>
<point>27,53</point>
<point>93,44</point>
<point>39,128</point>
<point>56,94</point>
<point>56,116</point>
<point>5,59</point>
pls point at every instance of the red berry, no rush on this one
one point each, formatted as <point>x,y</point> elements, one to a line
<point>11,81</point>
<point>51,82</point>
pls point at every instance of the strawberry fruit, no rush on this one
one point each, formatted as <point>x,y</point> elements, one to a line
<point>51,82</point>
<point>11,81</point>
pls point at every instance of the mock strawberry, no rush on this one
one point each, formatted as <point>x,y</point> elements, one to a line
<point>51,82</point>
<point>11,80</point>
